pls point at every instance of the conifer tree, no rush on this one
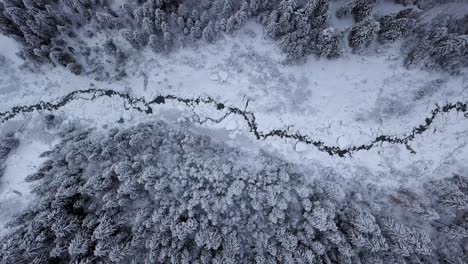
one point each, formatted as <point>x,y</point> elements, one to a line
<point>362,34</point>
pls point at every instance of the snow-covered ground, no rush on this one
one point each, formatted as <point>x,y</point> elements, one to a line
<point>22,161</point>
<point>343,102</point>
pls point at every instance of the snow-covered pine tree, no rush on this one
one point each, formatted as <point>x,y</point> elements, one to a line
<point>345,10</point>
<point>362,34</point>
<point>285,22</point>
<point>360,9</point>
<point>328,43</point>
<point>397,25</point>
<point>196,31</point>
<point>229,8</point>
<point>149,27</point>
<point>7,26</point>
<point>209,33</point>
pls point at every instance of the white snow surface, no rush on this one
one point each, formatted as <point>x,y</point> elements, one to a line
<point>343,102</point>
<point>22,161</point>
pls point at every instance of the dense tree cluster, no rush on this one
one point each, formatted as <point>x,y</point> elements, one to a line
<point>43,27</point>
<point>7,144</point>
<point>156,194</point>
<point>48,29</point>
<point>386,28</point>
<point>397,25</point>
<point>438,44</point>
<point>441,44</point>
<point>56,31</point>
<point>298,25</point>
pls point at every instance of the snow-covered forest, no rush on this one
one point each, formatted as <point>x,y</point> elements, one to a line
<point>48,29</point>
<point>155,194</point>
<point>234,131</point>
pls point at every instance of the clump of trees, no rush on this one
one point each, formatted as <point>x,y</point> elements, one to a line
<point>43,27</point>
<point>56,31</point>
<point>441,45</point>
<point>302,29</point>
<point>438,44</point>
<point>368,27</point>
<point>48,29</point>
<point>156,194</point>
<point>298,25</point>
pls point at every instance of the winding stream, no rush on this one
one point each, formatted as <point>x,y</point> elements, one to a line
<point>142,105</point>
